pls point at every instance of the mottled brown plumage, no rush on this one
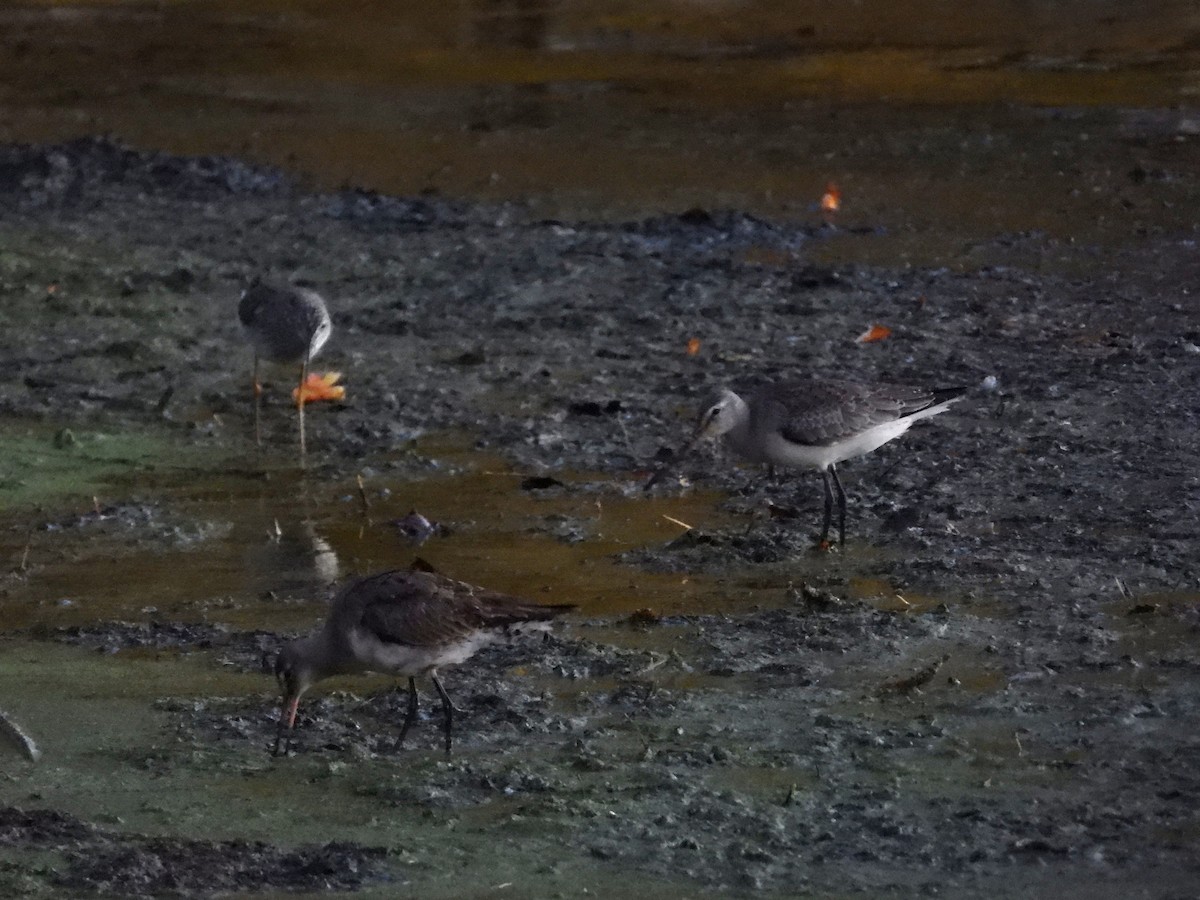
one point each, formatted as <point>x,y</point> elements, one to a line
<point>404,622</point>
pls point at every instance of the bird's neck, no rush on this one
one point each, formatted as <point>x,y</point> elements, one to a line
<point>321,654</point>
<point>738,439</point>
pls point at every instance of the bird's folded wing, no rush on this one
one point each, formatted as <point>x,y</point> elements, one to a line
<point>820,413</point>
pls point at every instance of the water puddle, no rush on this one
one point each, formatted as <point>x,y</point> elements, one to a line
<point>250,548</point>
<point>557,103</point>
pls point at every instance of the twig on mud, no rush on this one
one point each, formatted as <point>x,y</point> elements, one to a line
<point>790,797</point>
<point>914,681</point>
<point>161,406</point>
<point>362,496</point>
<point>18,737</point>
<point>625,434</point>
<point>657,660</point>
<point>24,565</point>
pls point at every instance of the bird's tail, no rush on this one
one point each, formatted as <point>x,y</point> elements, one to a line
<point>941,398</point>
<point>521,616</point>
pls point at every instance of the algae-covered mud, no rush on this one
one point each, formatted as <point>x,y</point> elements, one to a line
<point>991,689</point>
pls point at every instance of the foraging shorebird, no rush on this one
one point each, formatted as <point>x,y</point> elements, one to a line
<point>407,623</point>
<point>287,325</point>
<point>815,425</point>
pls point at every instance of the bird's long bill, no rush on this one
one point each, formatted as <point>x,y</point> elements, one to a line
<point>696,437</point>
<point>287,719</point>
<point>290,705</point>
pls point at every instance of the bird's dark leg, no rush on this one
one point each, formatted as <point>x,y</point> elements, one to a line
<point>828,505</point>
<point>257,403</point>
<point>278,737</point>
<point>841,505</point>
<point>287,721</point>
<point>300,406</point>
<point>411,716</point>
<point>446,705</point>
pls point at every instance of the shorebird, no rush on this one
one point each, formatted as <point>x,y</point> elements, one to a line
<point>405,622</point>
<point>287,325</point>
<point>816,425</point>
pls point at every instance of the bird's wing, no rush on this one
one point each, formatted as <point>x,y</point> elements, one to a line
<point>254,299</point>
<point>425,609</point>
<point>296,307</point>
<point>308,307</point>
<point>819,413</point>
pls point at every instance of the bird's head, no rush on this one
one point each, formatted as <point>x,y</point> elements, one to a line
<point>719,415</point>
<point>294,674</point>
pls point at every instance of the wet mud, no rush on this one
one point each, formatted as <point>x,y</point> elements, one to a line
<point>989,689</point>
<point>96,860</point>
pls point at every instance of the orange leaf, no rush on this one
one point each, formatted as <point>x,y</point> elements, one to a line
<point>320,387</point>
<point>693,346</point>
<point>831,200</point>
<point>875,333</point>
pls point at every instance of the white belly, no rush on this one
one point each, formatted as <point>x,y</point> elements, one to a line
<point>374,655</point>
<point>774,448</point>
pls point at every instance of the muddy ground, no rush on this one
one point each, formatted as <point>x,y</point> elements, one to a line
<point>991,689</point>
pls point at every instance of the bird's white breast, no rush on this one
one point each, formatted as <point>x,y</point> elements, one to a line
<point>375,655</point>
<point>775,448</point>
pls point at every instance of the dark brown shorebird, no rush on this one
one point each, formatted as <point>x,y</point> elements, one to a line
<point>406,623</point>
<point>816,425</point>
<point>287,325</point>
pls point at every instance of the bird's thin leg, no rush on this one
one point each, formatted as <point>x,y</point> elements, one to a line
<point>841,506</point>
<point>446,705</point>
<point>287,722</point>
<point>411,716</point>
<point>257,403</point>
<point>279,738</point>
<point>300,407</point>
<point>828,505</point>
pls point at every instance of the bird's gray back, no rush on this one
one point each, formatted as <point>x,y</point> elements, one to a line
<point>284,323</point>
<point>425,609</point>
<point>819,413</point>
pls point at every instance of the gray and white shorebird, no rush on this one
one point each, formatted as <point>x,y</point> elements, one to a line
<point>815,425</point>
<point>287,325</point>
<point>404,622</point>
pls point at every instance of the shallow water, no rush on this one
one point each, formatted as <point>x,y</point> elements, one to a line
<point>942,125</point>
<point>238,532</point>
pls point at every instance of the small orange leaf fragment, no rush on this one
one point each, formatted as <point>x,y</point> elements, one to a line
<point>320,387</point>
<point>693,346</point>
<point>831,200</point>
<point>875,333</point>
